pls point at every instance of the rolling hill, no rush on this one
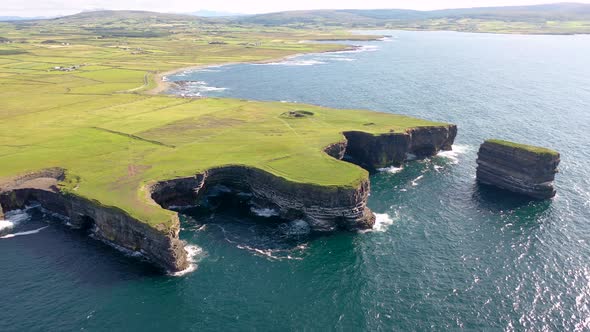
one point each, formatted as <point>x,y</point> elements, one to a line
<point>539,17</point>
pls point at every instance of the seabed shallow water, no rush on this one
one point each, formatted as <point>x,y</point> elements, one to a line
<point>445,254</point>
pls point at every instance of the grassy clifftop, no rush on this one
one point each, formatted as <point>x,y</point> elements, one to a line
<point>72,98</point>
<point>530,148</point>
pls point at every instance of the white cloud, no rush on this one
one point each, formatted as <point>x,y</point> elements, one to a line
<point>60,7</point>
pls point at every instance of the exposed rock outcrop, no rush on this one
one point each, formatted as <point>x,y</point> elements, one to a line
<point>106,223</point>
<point>378,151</point>
<point>324,208</point>
<point>336,150</point>
<point>518,168</point>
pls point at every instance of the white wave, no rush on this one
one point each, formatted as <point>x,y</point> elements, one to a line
<point>195,88</point>
<point>344,59</point>
<point>35,231</point>
<point>202,86</point>
<point>387,39</point>
<point>15,217</point>
<point>6,224</point>
<point>382,223</point>
<point>211,88</point>
<point>411,156</point>
<point>194,253</point>
<point>361,49</point>
<point>454,154</point>
<point>294,62</point>
<point>271,254</point>
<point>295,228</point>
<point>264,212</point>
<point>415,181</point>
<point>391,169</point>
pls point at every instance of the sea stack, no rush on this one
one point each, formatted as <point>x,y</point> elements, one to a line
<point>524,169</point>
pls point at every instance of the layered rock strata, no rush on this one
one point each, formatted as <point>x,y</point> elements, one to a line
<point>108,224</point>
<point>324,208</point>
<point>518,168</point>
<point>378,151</point>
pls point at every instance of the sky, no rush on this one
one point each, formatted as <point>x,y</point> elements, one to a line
<point>30,8</point>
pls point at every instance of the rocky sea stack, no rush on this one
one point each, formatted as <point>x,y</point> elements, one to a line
<point>523,169</point>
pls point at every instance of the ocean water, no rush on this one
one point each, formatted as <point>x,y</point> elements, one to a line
<point>446,254</point>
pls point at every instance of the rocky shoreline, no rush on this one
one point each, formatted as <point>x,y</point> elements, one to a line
<point>324,208</point>
<point>107,224</point>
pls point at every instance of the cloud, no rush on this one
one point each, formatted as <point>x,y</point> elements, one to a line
<point>60,7</point>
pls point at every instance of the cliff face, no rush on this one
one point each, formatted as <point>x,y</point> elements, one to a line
<point>378,151</point>
<point>324,208</point>
<point>517,170</point>
<point>106,223</point>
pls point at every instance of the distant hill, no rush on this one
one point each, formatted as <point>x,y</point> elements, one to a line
<point>20,18</point>
<point>117,15</point>
<point>212,13</point>
<point>119,23</point>
<point>352,17</point>
<point>561,18</point>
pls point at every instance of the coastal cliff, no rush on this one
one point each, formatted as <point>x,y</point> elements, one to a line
<point>519,168</point>
<point>378,151</point>
<point>108,224</point>
<point>324,208</point>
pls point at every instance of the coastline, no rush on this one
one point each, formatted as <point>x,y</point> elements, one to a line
<point>162,85</point>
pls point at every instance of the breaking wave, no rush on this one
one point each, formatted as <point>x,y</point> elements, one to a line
<point>360,49</point>
<point>415,181</point>
<point>382,223</point>
<point>194,254</point>
<point>6,224</point>
<point>294,62</point>
<point>391,169</point>
<point>15,217</point>
<point>454,154</point>
<point>276,254</point>
<point>35,231</point>
<point>197,88</point>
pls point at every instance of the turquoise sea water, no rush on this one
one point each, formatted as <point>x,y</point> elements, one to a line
<point>446,254</point>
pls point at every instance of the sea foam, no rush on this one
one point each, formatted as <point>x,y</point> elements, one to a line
<point>295,62</point>
<point>194,253</point>
<point>391,169</point>
<point>382,223</point>
<point>454,154</point>
<point>35,231</point>
<point>15,217</point>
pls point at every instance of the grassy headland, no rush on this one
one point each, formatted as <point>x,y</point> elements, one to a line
<point>73,96</point>
<point>530,148</point>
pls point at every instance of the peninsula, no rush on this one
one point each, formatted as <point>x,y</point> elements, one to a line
<point>81,136</point>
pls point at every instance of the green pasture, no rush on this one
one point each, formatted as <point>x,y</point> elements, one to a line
<point>113,140</point>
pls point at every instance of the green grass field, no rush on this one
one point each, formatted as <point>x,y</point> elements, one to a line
<point>531,148</point>
<point>113,139</point>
